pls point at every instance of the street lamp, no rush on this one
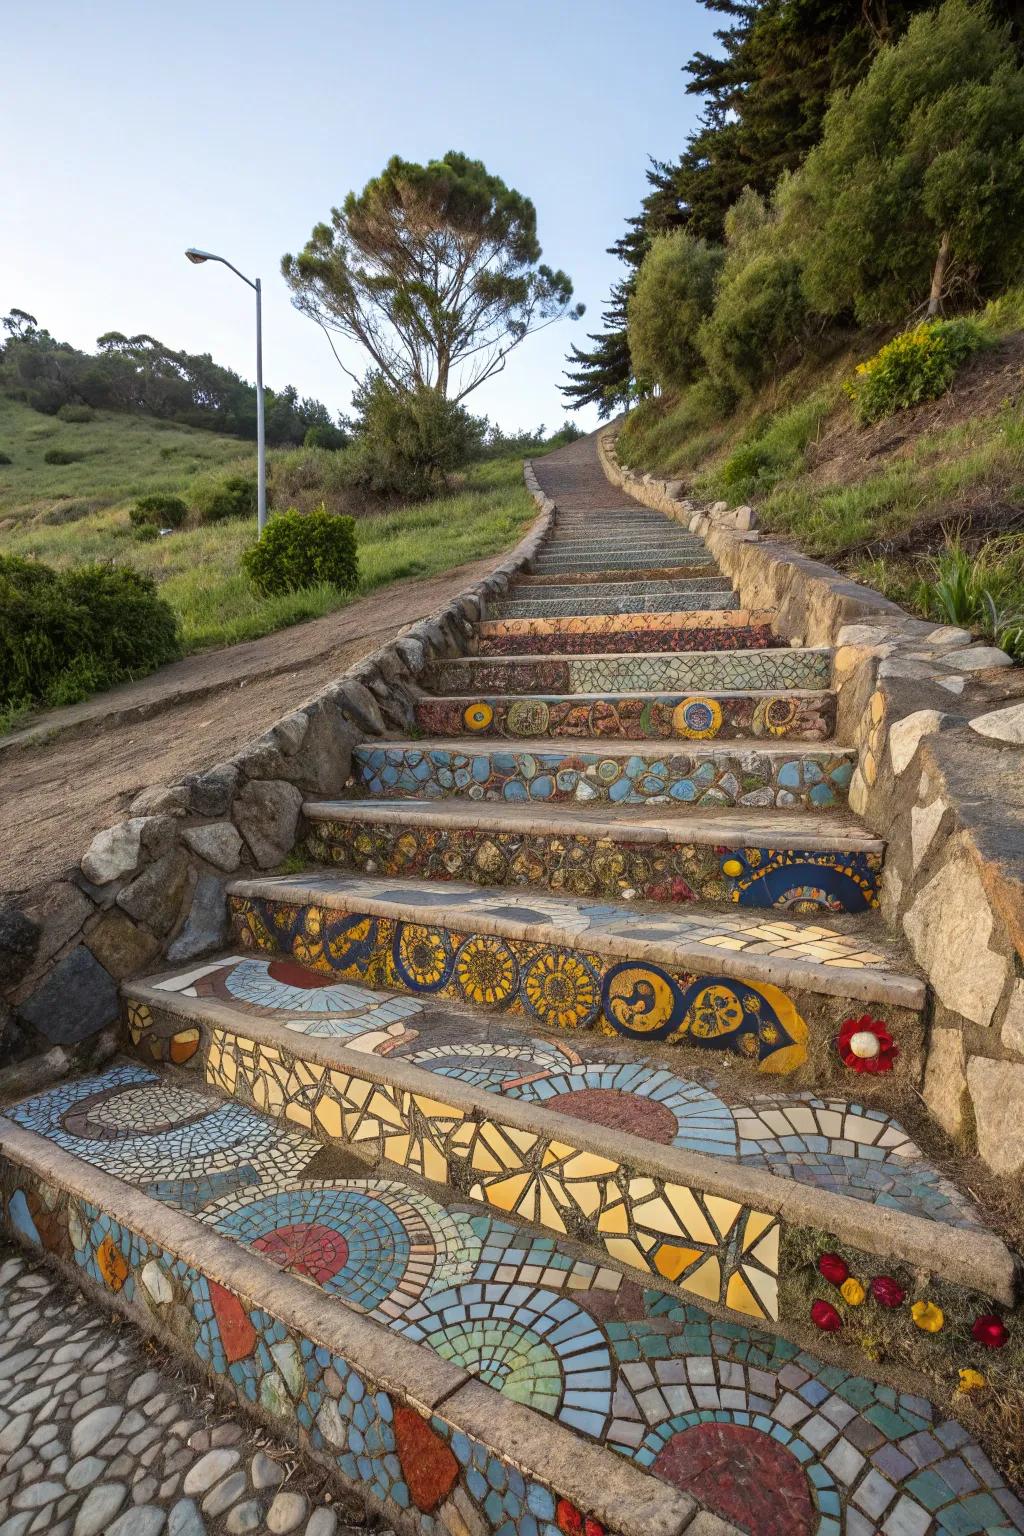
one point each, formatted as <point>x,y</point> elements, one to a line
<point>198,257</point>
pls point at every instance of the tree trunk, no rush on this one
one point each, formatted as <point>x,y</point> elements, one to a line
<point>939,274</point>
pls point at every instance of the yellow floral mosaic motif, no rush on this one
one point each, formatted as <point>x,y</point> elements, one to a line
<point>560,988</point>
<point>706,1244</point>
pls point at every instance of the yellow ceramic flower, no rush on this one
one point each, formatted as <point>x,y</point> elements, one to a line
<point>852,1292</point>
<point>928,1317</point>
<point>971,1381</point>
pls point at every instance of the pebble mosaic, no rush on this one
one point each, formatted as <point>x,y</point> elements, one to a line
<point>703,776</point>
<point>827,1143</point>
<point>653,1378</point>
<point>701,630</point>
<point>806,717</point>
<point>798,880</point>
<point>592,603</point>
<point>100,1438</point>
<point>654,673</point>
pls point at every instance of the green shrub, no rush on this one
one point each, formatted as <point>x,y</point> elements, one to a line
<point>303,550</point>
<point>61,456</point>
<point>772,449</point>
<point>324,435</point>
<point>408,442</point>
<point>919,364</point>
<point>145,533</point>
<point>217,497</point>
<point>5,458</point>
<point>76,413</point>
<point>757,323</point>
<point>983,592</point>
<point>674,293</point>
<point>66,633</point>
<point>159,510</point>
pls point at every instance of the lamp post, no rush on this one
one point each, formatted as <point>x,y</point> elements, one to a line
<point>198,257</point>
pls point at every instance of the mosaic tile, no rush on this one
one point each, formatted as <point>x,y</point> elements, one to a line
<point>658,672</point>
<point>692,717</point>
<point>697,631</point>
<point>516,607</point>
<point>800,880</point>
<point>768,1436</point>
<point>558,987</point>
<point>703,776</point>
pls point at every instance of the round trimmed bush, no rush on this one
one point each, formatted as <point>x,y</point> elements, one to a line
<point>64,634</point>
<point>225,496</point>
<point>76,413</point>
<point>61,456</point>
<point>159,510</point>
<point>302,550</point>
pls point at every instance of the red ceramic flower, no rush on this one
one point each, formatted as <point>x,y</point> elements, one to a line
<point>825,1317</point>
<point>866,1045</point>
<point>832,1268</point>
<point>886,1291</point>
<point>989,1331</point>
<point>568,1518</point>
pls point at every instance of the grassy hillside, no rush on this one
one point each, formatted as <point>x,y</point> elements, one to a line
<point>927,504</point>
<point>79,512</point>
<point>122,457</point>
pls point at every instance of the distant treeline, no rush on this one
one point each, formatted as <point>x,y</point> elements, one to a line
<point>140,373</point>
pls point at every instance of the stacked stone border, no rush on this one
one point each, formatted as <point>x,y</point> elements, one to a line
<point>156,1265</point>
<point>940,775</point>
<point>153,885</point>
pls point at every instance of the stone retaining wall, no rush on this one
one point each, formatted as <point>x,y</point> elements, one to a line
<point>151,887</point>
<point>938,719</point>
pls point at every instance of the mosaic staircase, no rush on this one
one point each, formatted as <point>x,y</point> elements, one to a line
<point>575,1046</point>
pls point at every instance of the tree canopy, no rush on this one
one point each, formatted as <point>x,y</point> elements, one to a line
<point>434,270</point>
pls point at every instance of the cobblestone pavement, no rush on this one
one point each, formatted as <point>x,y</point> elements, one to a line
<point>101,1435</point>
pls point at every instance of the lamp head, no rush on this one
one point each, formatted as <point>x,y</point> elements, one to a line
<point>198,257</point>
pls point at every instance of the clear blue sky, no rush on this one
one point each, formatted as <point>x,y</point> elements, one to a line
<point>129,131</point>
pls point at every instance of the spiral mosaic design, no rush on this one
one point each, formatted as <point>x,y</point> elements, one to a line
<point>698,719</point>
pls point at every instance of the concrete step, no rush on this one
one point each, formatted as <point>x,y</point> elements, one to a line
<point>778,670</point>
<point>580,564</point>
<point>784,859</point>
<point>751,773</point>
<point>711,629</point>
<point>573,607</point>
<point>796,715</point>
<point>770,992</point>
<point>693,567</point>
<point>461,1370</point>
<point>398,1338</point>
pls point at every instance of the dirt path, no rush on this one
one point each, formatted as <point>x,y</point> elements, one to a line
<point>58,790</point>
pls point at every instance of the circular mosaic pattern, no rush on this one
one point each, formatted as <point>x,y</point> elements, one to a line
<point>477,717</point>
<point>527,717</point>
<point>494,1066</point>
<point>283,985</point>
<point>618,1109</point>
<point>561,990</point>
<point>422,957</point>
<point>774,717</point>
<point>697,719</point>
<point>373,1242</point>
<point>487,971</point>
<point>641,1001</point>
<point>149,1109</point>
<point>530,1344</point>
<point>766,1489</point>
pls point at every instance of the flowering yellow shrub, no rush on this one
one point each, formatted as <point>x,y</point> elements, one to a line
<point>917,365</point>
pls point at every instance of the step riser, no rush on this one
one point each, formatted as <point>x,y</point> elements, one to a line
<point>678,872</point>
<point>596,636</point>
<point>579,988</point>
<point>382,1413</point>
<point>678,717</point>
<point>261,1063</point>
<point>527,590</point>
<point>526,608</point>
<point>588,578</point>
<point>696,671</point>
<point>808,780</point>
<point>587,567</point>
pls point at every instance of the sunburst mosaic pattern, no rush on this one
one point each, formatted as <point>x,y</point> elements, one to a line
<point>555,986</point>
<point>654,1379</point>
